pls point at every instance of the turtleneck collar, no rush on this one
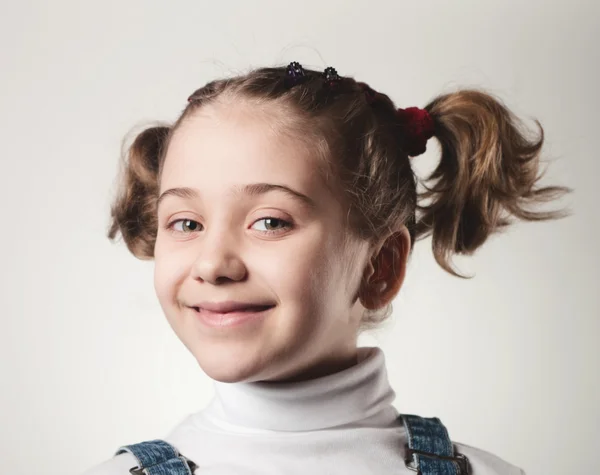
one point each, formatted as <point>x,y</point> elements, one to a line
<point>347,397</point>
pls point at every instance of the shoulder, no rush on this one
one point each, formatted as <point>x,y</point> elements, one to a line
<point>486,463</point>
<point>117,465</point>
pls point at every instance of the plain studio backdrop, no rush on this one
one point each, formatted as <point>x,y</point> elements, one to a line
<point>88,360</point>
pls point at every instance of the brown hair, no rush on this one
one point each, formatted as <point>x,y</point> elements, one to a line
<point>487,173</point>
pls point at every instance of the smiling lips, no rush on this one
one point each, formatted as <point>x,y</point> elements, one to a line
<point>231,306</point>
<point>230,314</point>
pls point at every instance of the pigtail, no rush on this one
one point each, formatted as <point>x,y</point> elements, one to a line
<point>133,212</point>
<point>488,172</point>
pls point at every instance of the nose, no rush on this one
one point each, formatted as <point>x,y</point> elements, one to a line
<point>218,259</point>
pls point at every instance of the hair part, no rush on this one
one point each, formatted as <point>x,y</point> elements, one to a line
<point>488,170</point>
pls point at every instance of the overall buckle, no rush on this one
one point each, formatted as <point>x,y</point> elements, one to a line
<point>140,471</point>
<point>462,463</point>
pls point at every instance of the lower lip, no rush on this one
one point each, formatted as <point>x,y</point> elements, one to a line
<point>230,319</point>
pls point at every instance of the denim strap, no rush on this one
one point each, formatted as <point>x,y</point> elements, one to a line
<point>430,450</point>
<point>158,457</point>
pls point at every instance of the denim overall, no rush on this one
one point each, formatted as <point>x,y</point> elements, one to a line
<point>429,452</point>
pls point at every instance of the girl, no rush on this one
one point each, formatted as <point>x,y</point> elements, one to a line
<point>280,210</point>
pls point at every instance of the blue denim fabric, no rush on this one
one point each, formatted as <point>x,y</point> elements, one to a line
<point>429,452</point>
<point>158,457</point>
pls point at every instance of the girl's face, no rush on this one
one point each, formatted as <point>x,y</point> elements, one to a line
<point>225,243</point>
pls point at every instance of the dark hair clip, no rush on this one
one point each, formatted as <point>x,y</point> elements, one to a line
<point>332,78</point>
<point>294,74</point>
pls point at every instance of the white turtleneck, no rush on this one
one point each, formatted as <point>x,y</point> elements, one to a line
<point>343,423</point>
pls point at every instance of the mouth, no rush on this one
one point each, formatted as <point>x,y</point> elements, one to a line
<point>252,308</point>
<point>234,318</point>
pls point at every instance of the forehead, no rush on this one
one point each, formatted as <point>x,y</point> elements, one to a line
<point>226,145</point>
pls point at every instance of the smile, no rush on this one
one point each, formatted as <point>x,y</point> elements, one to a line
<point>232,319</point>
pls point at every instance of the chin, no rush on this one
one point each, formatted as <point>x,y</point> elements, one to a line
<point>234,375</point>
<point>228,369</point>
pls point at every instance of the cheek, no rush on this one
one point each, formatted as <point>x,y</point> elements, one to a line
<point>167,273</point>
<point>306,273</point>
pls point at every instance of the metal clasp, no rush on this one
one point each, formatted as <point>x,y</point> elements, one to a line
<point>140,471</point>
<point>462,463</point>
<point>190,464</point>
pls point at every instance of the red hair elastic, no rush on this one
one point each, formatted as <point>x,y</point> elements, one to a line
<point>417,125</point>
<point>418,128</point>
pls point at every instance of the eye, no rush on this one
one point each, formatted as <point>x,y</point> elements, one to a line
<point>276,223</point>
<point>195,224</point>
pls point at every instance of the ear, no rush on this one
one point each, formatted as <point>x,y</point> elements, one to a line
<point>386,270</point>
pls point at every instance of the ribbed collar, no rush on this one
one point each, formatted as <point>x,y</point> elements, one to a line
<point>347,397</point>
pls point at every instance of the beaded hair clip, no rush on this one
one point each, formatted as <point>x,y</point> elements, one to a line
<point>332,78</point>
<point>294,74</point>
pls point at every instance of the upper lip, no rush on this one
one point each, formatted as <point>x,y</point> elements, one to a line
<point>228,306</point>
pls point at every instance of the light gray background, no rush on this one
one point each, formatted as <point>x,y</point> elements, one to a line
<point>88,361</point>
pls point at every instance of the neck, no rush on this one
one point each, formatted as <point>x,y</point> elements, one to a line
<point>357,393</point>
<point>331,364</point>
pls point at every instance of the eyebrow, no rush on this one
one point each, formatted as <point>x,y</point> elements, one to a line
<point>252,189</point>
